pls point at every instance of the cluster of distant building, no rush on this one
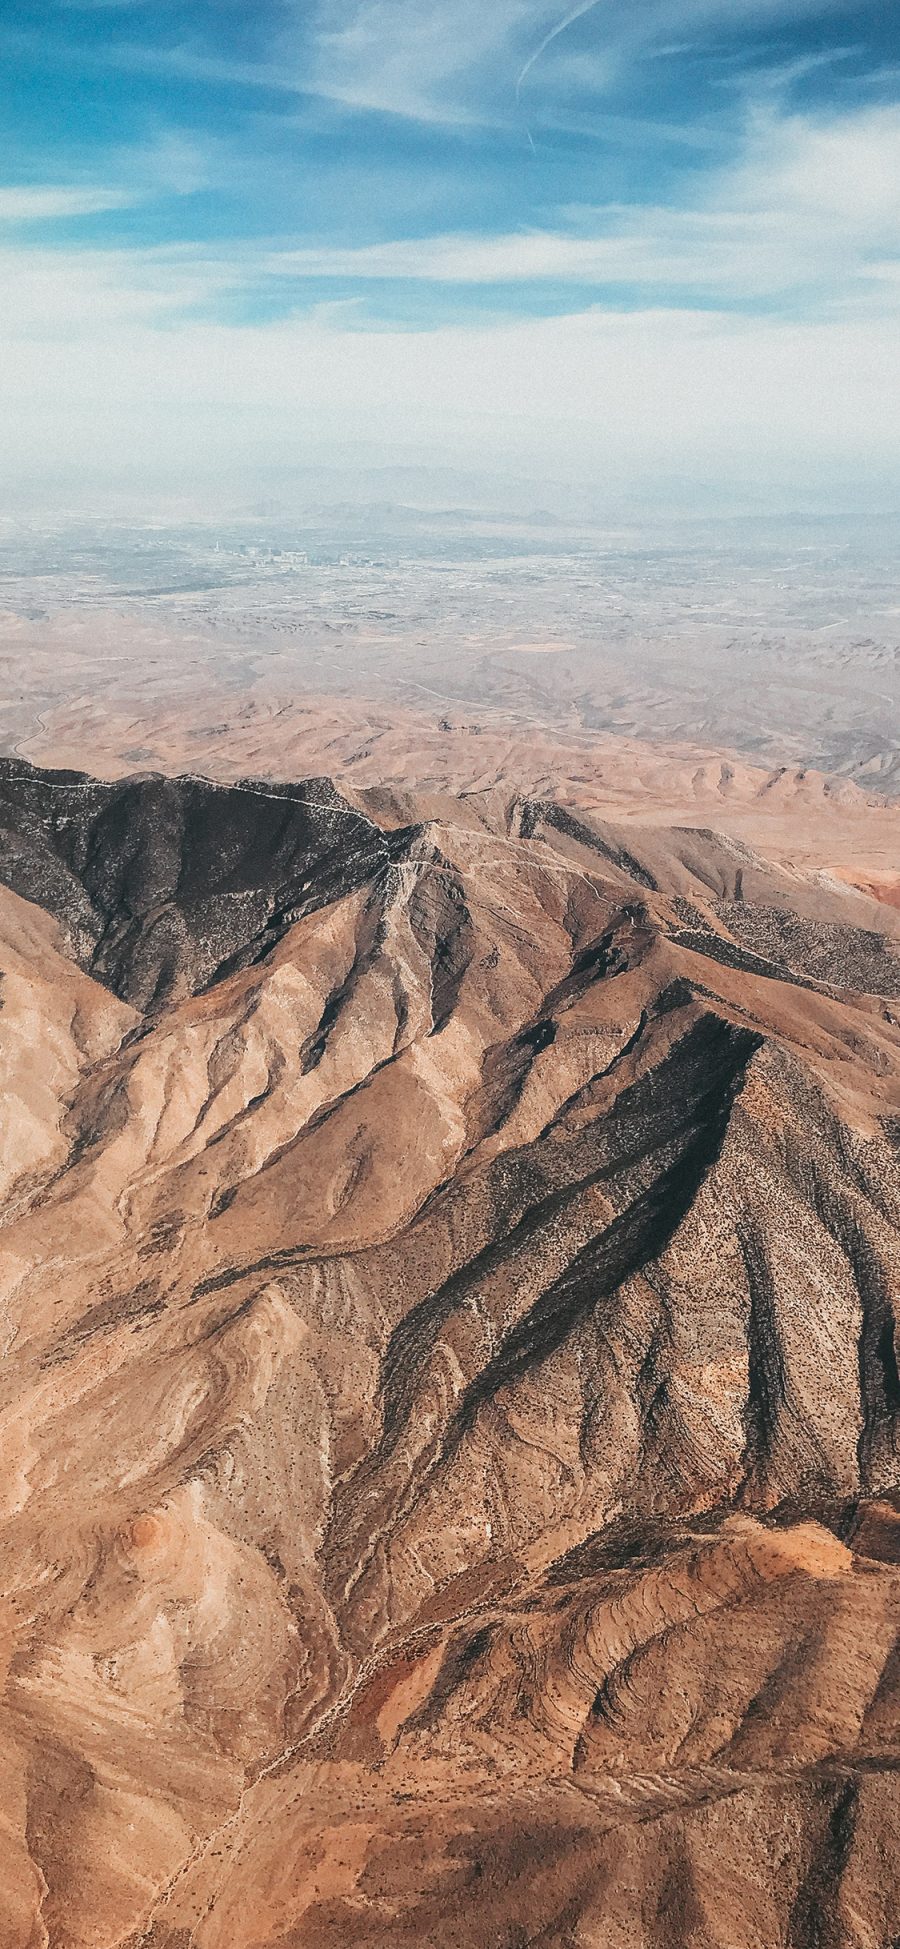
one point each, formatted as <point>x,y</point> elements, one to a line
<point>265,555</point>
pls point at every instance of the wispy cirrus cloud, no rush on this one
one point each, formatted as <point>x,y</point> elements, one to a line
<point>460,60</point>
<point>811,206</point>
<point>169,164</point>
<point>47,203</point>
<point>806,218</point>
<point>453,62</point>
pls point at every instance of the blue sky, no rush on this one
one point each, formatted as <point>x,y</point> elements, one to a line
<point>630,236</point>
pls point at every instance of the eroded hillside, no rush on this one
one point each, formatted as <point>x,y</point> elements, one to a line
<point>450,1408</point>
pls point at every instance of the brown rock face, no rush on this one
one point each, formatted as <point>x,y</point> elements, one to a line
<point>450,1414</point>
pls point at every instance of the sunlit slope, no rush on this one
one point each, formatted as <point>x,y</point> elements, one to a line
<point>450,1404</point>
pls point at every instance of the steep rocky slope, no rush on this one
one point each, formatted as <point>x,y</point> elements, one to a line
<point>450,1414</point>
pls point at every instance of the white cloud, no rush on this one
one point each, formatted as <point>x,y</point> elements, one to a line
<point>462,60</point>
<point>73,298</point>
<point>428,62</point>
<point>840,169</point>
<point>44,203</point>
<point>445,61</point>
<point>811,204</point>
<point>601,394</point>
<point>701,251</point>
<point>103,357</point>
<point>171,163</point>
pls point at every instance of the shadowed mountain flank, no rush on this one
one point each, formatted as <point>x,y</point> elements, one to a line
<point>450,1415</point>
<point>163,884</point>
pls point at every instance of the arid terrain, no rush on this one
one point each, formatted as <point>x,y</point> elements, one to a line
<point>450,1251</point>
<point>450,974</point>
<point>450,1405</point>
<point>278,647</point>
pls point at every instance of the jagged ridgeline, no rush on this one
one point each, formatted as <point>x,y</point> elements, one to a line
<point>162,885</point>
<point>451,1411</point>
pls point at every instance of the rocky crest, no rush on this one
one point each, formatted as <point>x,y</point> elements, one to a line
<point>451,1412</point>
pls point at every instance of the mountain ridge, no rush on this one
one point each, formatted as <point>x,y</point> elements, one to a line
<point>451,1415</point>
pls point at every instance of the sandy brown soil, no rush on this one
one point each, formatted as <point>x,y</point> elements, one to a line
<point>795,814</point>
<point>662,729</point>
<point>450,1412</point>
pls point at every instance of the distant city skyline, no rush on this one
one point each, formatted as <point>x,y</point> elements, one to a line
<point>651,251</point>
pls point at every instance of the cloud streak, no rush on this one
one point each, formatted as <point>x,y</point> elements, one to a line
<point>47,203</point>
<point>811,207</point>
<point>553,34</point>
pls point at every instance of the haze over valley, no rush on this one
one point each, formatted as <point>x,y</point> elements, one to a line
<point>774,643</point>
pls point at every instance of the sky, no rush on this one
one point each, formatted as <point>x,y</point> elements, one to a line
<point>651,247</point>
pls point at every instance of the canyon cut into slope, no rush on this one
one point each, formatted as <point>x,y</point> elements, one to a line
<point>450,1414</point>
